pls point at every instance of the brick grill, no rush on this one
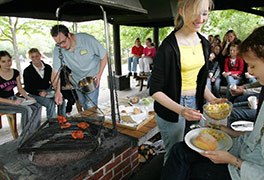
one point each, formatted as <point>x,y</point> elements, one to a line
<point>115,159</point>
<point>119,167</point>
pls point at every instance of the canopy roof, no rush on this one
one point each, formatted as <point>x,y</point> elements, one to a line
<point>148,13</point>
<point>70,10</point>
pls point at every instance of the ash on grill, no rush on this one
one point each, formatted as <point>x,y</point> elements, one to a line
<point>51,145</point>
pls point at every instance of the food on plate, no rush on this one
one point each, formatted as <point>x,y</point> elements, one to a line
<point>216,134</point>
<point>127,119</point>
<point>205,141</point>
<point>134,100</point>
<point>83,125</point>
<point>218,111</point>
<point>65,125</point>
<point>136,111</point>
<point>61,119</point>
<point>78,134</point>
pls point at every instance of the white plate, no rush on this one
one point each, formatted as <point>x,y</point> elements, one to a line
<point>242,126</point>
<point>223,144</point>
<point>28,102</point>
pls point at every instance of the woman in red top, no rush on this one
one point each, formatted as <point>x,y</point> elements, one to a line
<point>136,52</point>
<point>147,58</point>
<point>233,69</point>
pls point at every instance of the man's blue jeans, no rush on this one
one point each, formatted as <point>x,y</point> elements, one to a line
<point>86,98</point>
<point>134,61</point>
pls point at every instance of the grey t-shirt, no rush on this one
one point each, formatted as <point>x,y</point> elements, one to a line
<point>84,60</point>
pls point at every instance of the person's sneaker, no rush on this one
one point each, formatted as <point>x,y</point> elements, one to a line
<point>129,74</point>
<point>135,75</point>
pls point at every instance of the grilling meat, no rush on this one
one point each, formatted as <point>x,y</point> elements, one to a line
<point>77,134</point>
<point>83,125</point>
<point>61,119</point>
<point>65,125</point>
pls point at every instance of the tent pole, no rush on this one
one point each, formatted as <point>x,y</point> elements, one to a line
<point>110,74</point>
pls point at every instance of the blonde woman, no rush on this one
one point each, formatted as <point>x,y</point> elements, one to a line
<point>178,81</point>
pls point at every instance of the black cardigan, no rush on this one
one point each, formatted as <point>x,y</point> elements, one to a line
<point>32,80</point>
<point>166,75</point>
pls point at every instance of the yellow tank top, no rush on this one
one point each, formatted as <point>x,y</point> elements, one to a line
<point>192,59</point>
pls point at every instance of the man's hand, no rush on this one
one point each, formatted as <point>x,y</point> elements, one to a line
<point>220,157</point>
<point>97,79</point>
<point>238,91</point>
<point>58,98</point>
<point>43,93</point>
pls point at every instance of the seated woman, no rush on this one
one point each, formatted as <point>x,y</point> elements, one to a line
<point>147,58</point>
<point>38,82</point>
<point>9,103</point>
<point>233,69</point>
<point>245,160</point>
<point>214,77</point>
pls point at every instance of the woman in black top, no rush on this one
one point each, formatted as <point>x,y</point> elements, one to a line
<point>178,81</point>
<point>9,103</point>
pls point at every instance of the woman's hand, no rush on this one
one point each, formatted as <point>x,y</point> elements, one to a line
<point>191,114</point>
<point>220,157</point>
<point>58,98</point>
<point>218,100</point>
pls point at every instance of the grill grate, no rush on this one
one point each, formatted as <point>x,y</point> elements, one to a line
<point>50,137</point>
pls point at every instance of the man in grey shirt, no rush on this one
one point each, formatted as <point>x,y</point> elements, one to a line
<point>84,55</point>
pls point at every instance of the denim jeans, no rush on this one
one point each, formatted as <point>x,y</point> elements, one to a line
<point>86,98</point>
<point>30,115</point>
<point>172,132</point>
<point>214,87</point>
<point>49,104</point>
<point>134,61</point>
<point>184,164</point>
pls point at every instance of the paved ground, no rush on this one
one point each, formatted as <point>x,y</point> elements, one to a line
<point>104,98</point>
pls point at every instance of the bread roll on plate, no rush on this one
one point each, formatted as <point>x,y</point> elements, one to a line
<point>205,141</point>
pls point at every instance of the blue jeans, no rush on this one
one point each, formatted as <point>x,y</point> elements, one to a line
<point>30,115</point>
<point>49,104</point>
<point>230,80</point>
<point>86,98</point>
<point>134,61</point>
<point>214,87</point>
<point>172,132</point>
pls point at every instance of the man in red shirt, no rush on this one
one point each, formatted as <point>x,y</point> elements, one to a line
<point>137,51</point>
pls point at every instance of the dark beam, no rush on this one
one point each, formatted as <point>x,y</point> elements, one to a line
<point>117,53</point>
<point>156,36</point>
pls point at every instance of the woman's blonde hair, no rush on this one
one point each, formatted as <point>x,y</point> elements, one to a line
<point>183,4</point>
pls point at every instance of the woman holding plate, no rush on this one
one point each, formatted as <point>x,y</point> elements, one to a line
<point>245,160</point>
<point>9,103</point>
<point>178,80</point>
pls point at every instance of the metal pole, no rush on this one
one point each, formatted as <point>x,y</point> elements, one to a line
<point>110,74</point>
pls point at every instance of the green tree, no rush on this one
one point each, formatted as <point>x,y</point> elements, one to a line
<point>242,23</point>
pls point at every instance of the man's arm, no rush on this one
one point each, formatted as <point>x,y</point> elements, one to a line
<point>101,70</point>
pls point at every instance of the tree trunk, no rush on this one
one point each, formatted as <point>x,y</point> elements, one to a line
<point>13,29</point>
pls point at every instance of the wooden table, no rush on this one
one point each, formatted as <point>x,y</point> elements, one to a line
<point>143,133</point>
